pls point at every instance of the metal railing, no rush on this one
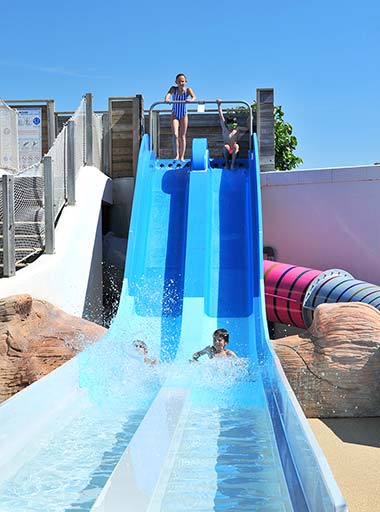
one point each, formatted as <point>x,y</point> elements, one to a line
<point>153,115</point>
<point>32,200</point>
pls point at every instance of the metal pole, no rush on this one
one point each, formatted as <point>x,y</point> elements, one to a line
<point>89,135</point>
<point>199,102</point>
<point>154,132</point>
<point>71,162</point>
<point>9,249</point>
<point>51,123</point>
<point>49,205</point>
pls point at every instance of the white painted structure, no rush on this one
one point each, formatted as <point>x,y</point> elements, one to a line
<point>325,218</point>
<point>72,277</point>
<point>44,405</point>
<point>140,478</point>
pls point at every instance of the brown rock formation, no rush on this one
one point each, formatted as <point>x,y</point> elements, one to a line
<point>35,338</point>
<point>335,369</point>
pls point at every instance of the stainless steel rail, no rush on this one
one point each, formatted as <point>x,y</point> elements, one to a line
<point>199,102</point>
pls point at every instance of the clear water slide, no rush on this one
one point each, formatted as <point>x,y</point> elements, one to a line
<point>110,433</point>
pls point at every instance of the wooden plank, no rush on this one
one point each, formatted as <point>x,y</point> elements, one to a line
<point>126,131</point>
<point>265,128</point>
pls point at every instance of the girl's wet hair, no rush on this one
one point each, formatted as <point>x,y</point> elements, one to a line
<point>222,334</point>
<point>181,74</point>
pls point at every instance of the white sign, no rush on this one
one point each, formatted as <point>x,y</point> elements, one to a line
<point>8,138</point>
<point>29,136</point>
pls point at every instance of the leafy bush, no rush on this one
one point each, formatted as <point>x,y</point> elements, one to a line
<point>285,142</point>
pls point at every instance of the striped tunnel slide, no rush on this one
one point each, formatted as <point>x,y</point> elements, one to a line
<point>292,293</point>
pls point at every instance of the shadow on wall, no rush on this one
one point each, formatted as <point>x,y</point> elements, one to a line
<point>93,303</point>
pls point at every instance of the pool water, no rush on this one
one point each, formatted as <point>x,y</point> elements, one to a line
<point>228,458</point>
<point>71,468</point>
<point>72,462</point>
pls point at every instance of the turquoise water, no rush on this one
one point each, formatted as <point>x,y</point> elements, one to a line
<point>70,470</point>
<point>227,459</point>
<point>72,463</point>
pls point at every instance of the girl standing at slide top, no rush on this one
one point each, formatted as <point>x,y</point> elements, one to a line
<point>179,118</point>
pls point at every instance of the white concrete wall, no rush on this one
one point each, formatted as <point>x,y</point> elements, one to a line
<point>63,278</point>
<point>325,218</point>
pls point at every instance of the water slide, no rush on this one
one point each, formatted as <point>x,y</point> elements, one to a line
<point>108,432</point>
<point>194,264</point>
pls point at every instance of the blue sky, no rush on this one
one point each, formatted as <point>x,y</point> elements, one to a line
<point>322,59</point>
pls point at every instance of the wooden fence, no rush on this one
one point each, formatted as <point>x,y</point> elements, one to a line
<point>127,123</point>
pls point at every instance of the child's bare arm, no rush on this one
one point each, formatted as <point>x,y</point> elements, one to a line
<point>190,92</point>
<point>221,116</point>
<point>200,353</point>
<point>169,93</point>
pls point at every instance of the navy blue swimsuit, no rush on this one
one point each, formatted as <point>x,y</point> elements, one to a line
<point>179,109</point>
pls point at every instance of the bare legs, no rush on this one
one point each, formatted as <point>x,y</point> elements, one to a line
<point>179,128</point>
<point>226,153</point>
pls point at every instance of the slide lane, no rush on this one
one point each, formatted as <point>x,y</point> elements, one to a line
<point>228,436</point>
<point>243,441</point>
<point>200,437</point>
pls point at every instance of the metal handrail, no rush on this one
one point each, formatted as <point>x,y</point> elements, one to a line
<point>199,102</point>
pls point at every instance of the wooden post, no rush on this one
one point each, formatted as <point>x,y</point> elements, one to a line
<point>51,128</point>
<point>265,128</point>
<point>126,128</point>
<point>106,144</point>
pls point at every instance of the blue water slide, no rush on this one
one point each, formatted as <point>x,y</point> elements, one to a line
<point>152,295</point>
<point>194,264</point>
<point>108,432</point>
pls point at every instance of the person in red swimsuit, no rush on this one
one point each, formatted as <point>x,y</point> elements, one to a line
<point>231,133</point>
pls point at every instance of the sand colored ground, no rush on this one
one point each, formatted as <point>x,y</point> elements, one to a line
<point>352,449</point>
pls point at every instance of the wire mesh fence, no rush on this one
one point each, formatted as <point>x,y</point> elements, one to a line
<point>29,194</point>
<point>29,217</point>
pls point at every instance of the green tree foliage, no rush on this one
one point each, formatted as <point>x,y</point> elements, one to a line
<point>285,142</point>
